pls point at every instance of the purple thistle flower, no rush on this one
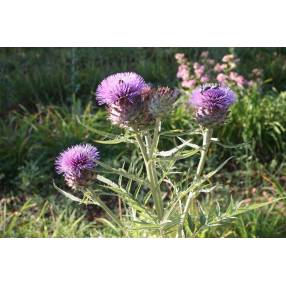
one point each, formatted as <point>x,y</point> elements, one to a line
<point>211,104</point>
<point>133,104</point>
<point>77,163</point>
<point>120,85</point>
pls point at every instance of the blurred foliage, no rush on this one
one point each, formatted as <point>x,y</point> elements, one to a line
<point>30,76</point>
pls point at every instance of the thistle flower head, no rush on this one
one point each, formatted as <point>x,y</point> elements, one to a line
<point>128,114</point>
<point>143,111</point>
<point>211,104</point>
<point>131,103</point>
<point>161,100</point>
<point>76,164</point>
<point>120,85</point>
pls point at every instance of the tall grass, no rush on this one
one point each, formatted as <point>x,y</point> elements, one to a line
<point>38,218</point>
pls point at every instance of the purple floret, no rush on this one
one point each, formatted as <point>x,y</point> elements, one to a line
<point>77,164</point>
<point>76,159</point>
<point>214,98</point>
<point>120,85</point>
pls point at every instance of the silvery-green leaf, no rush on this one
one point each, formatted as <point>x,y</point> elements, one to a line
<point>66,194</point>
<point>176,149</point>
<point>117,140</point>
<point>189,144</point>
<point>210,174</point>
<point>167,225</point>
<point>122,172</point>
<point>180,156</point>
<point>251,207</point>
<point>124,195</point>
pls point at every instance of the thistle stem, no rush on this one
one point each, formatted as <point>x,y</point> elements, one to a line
<point>156,136</point>
<point>148,154</point>
<point>149,144</point>
<point>207,135</point>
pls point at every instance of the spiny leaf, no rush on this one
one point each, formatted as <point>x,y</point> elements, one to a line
<point>124,194</point>
<point>176,149</point>
<point>118,140</point>
<point>182,155</point>
<point>252,207</point>
<point>210,174</point>
<point>189,144</point>
<point>123,173</point>
<point>66,194</point>
<point>144,225</point>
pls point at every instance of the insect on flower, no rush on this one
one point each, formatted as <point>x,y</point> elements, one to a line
<point>211,103</point>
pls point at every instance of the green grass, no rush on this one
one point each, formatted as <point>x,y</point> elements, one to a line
<point>47,103</point>
<point>36,218</point>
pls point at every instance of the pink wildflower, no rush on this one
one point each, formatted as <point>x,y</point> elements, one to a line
<point>188,83</point>
<point>228,58</point>
<point>221,78</point>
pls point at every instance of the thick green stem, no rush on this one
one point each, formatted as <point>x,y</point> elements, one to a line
<point>148,154</point>
<point>151,148</point>
<point>142,148</point>
<point>207,135</point>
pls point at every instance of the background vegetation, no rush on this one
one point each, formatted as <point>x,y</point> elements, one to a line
<point>47,103</point>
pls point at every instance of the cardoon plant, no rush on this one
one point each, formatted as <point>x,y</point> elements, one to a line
<point>211,104</point>
<point>135,105</point>
<point>157,197</point>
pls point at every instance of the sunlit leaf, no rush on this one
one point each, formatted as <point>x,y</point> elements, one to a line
<point>176,149</point>
<point>66,194</point>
